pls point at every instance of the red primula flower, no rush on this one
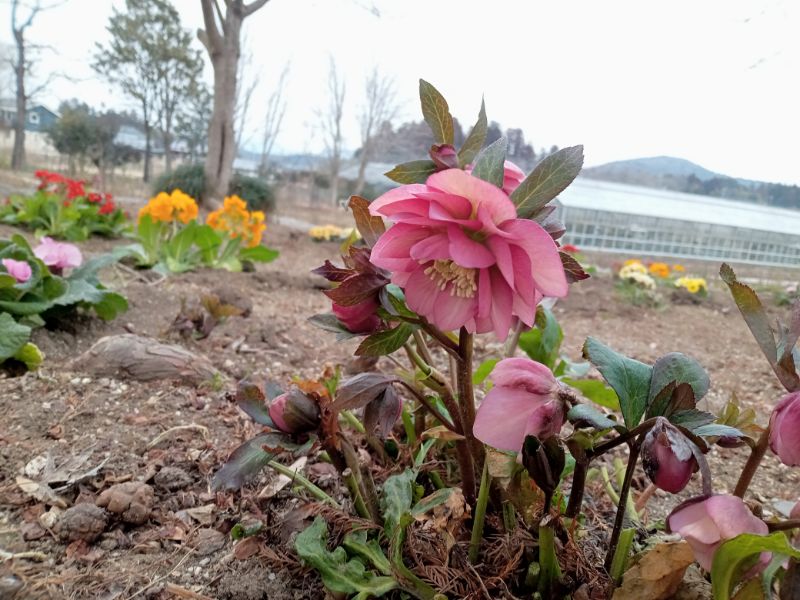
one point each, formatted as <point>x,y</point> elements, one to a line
<point>94,197</point>
<point>106,208</point>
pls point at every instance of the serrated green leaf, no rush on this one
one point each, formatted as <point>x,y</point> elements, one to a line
<point>489,165</point>
<point>111,306</point>
<point>629,378</point>
<point>734,557</point>
<point>385,342</point>
<point>475,140</point>
<point>415,171</point>
<point>339,573</point>
<point>550,177</point>
<point>13,336</point>
<point>584,412</point>
<point>436,113</point>
<point>596,391</point>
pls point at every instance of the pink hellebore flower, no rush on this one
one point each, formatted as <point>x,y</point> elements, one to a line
<point>667,457</point>
<point>294,412</point>
<point>359,318</point>
<point>707,521</point>
<point>18,269</point>
<point>463,257</point>
<point>58,255</point>
<point>512,177</point>
<point>784,427</point>
<point>524,401</point>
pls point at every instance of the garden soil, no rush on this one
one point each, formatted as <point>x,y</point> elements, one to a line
<point>96,432</point>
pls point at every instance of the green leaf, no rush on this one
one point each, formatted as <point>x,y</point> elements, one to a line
<point>717,430</point>
<point>550,177</point>
<point>736,556</point>
<point>356,543</point>
<point>80,290</point>
<point>180,245</point>
<point>415,171</point>
<point>483,370</point>
<point>13,336</point>
<point>330,322</point>
<point>596,391</point>
<point>475,140</point>
<point>489,164</point>
<point>436,113</point>
<point>339,573</point>
<point>110,306</point>
<point>385,342</point>
<point>629,378</point>
<point>397,497</point>
<point>543,342</point>
<point>692,419</point>
<point>584,412</point>
<point>258,254</point>
<point>91,267</point>
<point>7,281</point>
<point>678,368</point>
<point>758,322</point>
<point>30,355</point>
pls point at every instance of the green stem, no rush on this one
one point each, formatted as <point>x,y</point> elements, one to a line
<point>353,421</point>
<point>633,458</point>
<point>480,515</point>
<point>297,478</point>
<point>436,479</point>
<point>513,340</point>
<point>367,492</point>
<point>620,559</point>
<point>408,425</point>
<point>550,573</point>
<point>466,394</point>
<point>751,466</point>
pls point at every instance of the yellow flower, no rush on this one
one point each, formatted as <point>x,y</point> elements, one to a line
<point>235,220</point>
<point>631,261</point>
<point>184,205</point>
<point>660,269</point>
<point>634,267</point>
<point>158,208</point>
<point>678,268</point>
<point>693,286</point>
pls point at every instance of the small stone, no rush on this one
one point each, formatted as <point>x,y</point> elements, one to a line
<point>49,519</point>
<point>75,381</point>
<point>10,585</point>
<point>132,501</point>
<point>35,467</point>
<point>172,479</point>
<point>82,522</point>
<point>207,541</point>
<point>86,380</point>
<point>47,405</point>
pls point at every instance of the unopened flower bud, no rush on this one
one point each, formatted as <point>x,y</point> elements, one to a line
<point>294,412</point>
<point>784,425</point>
<point>667,457</point>
<point>359,318</point>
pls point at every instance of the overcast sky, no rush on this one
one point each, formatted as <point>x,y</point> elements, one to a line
<point>713,81</point>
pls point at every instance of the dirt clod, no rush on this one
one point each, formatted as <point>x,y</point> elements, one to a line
<point>83,522</point>
<point>132,501</point>
<point>207,541</point>
<point>171,479</point>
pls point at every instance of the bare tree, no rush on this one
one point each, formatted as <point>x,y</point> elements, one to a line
<point>380,106</point>
<point>273,119</point>
<point>21,65</point>
<point>331,125</point>
<point>221,37</point>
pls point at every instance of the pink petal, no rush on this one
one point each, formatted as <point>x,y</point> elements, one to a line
<point>502,418</point>
<point>502,303</point>
<point>447,207</point>
<point>546,420</point>
<point>421,293</point>
<point>467,252</point>
<point>404,192</point>
<point>693,521</point>
<point>435,247</point>
<point>733,517</point>
<point>392,250</point>
<point>502,254</point>
<point>525,374</point>
<point>484,296</point>
<point>477,191</point>
<point>548,271</point>
<point>452,312</point>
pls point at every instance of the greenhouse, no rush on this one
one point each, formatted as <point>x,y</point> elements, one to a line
<point>615,217</point>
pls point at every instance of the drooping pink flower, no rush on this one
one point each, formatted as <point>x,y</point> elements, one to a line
<point>294,412</point>
<point>58,255</point>
<point>784,427</point>
<point>667,457</point>
<point>707,521</point>
<point>463,257</point>
<point>359,318</point>
<point>18,269</point>
<point>524,401</point>
<point>512,177</point>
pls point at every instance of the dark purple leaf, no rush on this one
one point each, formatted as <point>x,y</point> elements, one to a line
<point>383,412</point>
<point>248,459</point>
<point>251,399</point>
<point>356,289</point>
<point>370,227</point>
<point>540,216</point>
<point>360,390</point>
<point>554,227</point>
<point>572,268</point>
<point>333,273</point>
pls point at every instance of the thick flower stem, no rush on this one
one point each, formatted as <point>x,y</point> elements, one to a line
<point>512,342</point>
<point>578,487</point>
<point>751,466</point>
<point>784,525</point>
<point>466,394</point>
<point>480,515</point>
<point>364,484</point>
<point>633,458</point>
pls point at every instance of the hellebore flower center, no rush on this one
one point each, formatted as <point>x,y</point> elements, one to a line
<point>443,272</point>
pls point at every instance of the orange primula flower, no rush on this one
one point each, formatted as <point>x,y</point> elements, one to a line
<point>659,269</point>
<point>235,220</point>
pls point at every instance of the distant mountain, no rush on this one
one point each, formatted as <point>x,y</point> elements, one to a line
<point>670,173</point>
<point>648,169</point>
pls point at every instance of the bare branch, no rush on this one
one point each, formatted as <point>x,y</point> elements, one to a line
<point>211,34</point>
<point>249,9</point>
<point>276,109</point>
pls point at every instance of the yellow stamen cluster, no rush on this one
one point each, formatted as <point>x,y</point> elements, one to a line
<point>443,272</point>
<point>693,285</point>
<point>169,207</point>
<point>235,220</point>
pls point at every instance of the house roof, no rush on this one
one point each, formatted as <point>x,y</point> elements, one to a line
<point>636,200</point>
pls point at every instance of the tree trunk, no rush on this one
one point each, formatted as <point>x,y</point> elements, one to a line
<point>335,187</point>
<point>221,136</point>
<point>167,151</point>
<point>148,151</point>
<point>18,154</point>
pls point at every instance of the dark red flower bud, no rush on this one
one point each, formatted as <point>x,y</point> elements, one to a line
<point>667,457</point>
<point>294,412</point>
<point>359,318</point>
<point>444,156</point>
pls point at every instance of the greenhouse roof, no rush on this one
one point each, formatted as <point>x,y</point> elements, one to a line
<point>635,200</point>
